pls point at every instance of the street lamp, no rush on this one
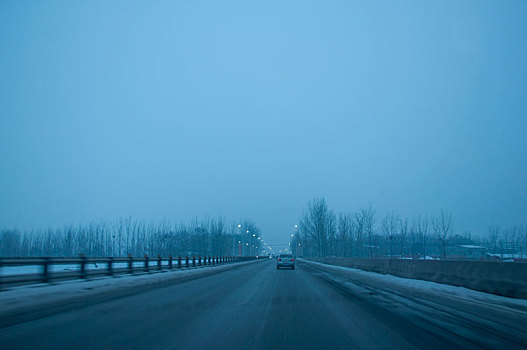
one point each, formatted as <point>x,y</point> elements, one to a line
<point>244,253</point>
<point>240,244</point>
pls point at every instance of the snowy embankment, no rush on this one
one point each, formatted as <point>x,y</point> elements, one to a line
<point>375,285</point>
<point>491,277</point>
<point>30,302</point>
<point>453,311</point>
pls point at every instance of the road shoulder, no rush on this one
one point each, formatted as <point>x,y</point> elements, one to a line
<point>27,303</point>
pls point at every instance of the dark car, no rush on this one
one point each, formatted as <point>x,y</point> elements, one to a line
<point>285,260</point>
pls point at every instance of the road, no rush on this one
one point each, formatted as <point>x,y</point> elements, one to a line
<point>259,307</point>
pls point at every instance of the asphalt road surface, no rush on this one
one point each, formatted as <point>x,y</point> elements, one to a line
<point>259,307</point>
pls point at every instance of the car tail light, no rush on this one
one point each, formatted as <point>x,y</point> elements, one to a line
<point>279,259</point>
<point>292,259</point>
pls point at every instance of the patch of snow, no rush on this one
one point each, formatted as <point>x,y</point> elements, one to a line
<point>428,286</point>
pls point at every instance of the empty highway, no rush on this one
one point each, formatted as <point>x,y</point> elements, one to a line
<point>257,306</point>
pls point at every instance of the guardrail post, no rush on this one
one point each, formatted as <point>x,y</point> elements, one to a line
<point>130,263</point>
<point>110,266</point>
<point>83,266</point>
<point>159,262</point>
<point>187,262</point>
<point>170,266</point>
<point>179,261</point>
<point>45,270</point>
<point>193,261</point>
<point>147,263</point>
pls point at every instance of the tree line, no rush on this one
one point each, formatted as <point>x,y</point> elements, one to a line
<point>207,236</point>
<point>322,232</point>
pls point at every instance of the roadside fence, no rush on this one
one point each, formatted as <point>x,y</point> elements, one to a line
<point>22,271</point>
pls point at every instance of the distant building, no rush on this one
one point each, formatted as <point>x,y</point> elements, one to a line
<point>468,251</point>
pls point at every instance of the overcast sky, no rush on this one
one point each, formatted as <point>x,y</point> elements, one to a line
<point>177,109</point>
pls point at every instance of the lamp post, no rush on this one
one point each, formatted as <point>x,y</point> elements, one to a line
<point>250,242</point>
<point>295,245</point>
<point>240,240</point>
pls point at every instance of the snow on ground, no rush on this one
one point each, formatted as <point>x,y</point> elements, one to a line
<point>367,277</point>
<point>24,298</point>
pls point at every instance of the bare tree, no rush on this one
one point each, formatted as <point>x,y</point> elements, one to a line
<point>443,230</point>
<point>389,225</point>
<point>421,227</point>
<point>523,239</point>
<point>358,231</point>
<point>493,234</point>
<point>345,238</point>
<point>368,215</point>
<point>403,233</point>
<point>318,223</point>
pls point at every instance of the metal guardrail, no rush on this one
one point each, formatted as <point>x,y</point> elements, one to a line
<point>113,266</point>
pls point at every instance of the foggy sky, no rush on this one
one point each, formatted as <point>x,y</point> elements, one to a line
<point>177,109</point>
